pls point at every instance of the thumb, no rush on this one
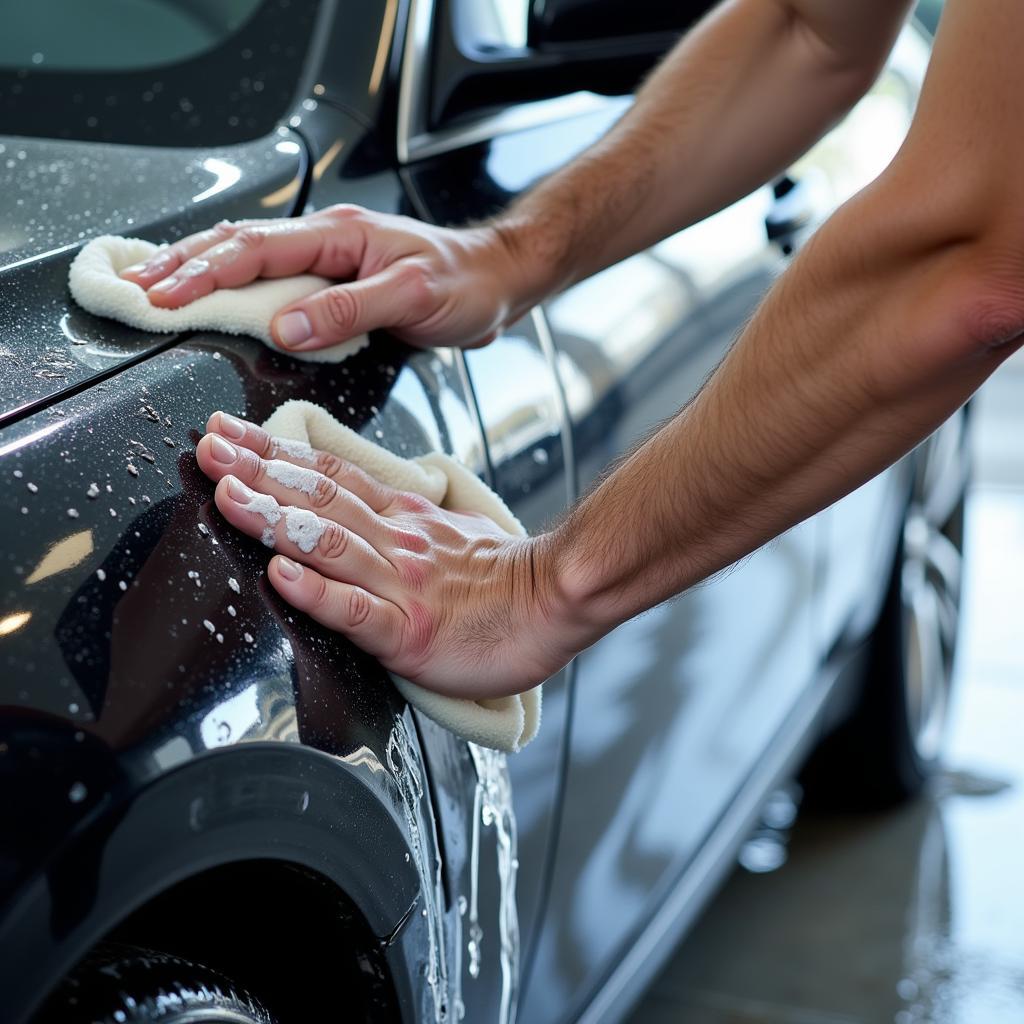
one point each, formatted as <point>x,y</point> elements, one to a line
<point>395,297</point>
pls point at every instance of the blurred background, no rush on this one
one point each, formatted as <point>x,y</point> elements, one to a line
<point>914,915</point>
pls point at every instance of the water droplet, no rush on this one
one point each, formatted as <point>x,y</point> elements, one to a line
<point>77,793</point>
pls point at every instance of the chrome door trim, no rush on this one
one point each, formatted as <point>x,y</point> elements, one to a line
<point>547,344</point>
<point>412,86</point>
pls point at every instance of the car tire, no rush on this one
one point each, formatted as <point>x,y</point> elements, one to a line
<point>121,984</point>
<point>892,742</point>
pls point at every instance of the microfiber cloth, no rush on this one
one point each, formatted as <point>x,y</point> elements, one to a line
<point>247,310</point>
<point>503,723</point>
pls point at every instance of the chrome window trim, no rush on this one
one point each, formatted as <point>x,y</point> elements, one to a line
<point>414,142</point>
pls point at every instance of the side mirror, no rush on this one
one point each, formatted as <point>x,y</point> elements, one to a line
<point>601,46</point>
<point>555,22</point>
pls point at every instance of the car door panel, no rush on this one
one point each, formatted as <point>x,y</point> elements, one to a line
<point>674,708</point>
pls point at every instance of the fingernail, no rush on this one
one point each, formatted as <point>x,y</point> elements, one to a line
<point>237,491</point>
<point>231,426</point>
<point>165,285</point>
<point>221,451</point>
<point>294,328</point>
<point>289,570</point>
<point>135,268</point>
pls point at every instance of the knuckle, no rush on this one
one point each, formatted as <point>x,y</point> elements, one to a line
<point>415,504</point>
<point>223,229</point>
<point>324,492</point>
<point>334,541</point>
<point>320,596</point>
<point>328,464</point>
<point>412,540</point>
<point>342,212</point>
<point>359,606</point>
<point>420,627</point>
<point>417,283</point>
<point>341,308</point>
<point>249,238</point>
<point>254,467</point>
<point>413,571</point>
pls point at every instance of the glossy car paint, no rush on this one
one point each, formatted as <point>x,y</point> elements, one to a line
<point>675,710</point>
<point>682,716</point>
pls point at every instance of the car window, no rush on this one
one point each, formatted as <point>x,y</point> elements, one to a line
<point>155,72</point>
<point>927,13</point>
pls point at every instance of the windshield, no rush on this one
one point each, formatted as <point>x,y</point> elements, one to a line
<point>155,72</point>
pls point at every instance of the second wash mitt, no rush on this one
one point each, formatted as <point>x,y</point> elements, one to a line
<point>503,723</point>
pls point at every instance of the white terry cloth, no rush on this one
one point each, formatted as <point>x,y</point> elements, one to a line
<point>503,723</point>
<point>247,310</point>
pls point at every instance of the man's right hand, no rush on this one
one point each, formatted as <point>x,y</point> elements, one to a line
<point>429,286</point>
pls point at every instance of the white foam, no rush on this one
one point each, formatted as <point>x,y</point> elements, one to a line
<point>295,478</point>
<point>266,505</point>
<point>304,528</point>
<point>296,449</point>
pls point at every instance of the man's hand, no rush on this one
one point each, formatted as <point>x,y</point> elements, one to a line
<point>446,599</point>
<point>427,285</point>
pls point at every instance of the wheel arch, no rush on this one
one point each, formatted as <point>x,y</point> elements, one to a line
<point>221,824</point>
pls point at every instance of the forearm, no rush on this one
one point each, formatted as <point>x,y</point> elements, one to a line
<point>882,328</point>
<point>740,97</point>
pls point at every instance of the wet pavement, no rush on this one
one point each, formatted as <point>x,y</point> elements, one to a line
<point>915,915</point>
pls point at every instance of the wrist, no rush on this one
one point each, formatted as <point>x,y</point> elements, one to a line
<point>570,601</point>
<point>528,266</point>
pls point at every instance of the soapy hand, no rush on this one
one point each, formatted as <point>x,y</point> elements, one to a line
<point>446,599</point>
<point>427,285</point>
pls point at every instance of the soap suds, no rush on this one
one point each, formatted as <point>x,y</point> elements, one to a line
<point>233,584</point>
<point>295,478</point>
<point>266,505</point>
<point>101,575</point>
<point>93,491</point>
<point>304,527</point>
<point>296,449</point>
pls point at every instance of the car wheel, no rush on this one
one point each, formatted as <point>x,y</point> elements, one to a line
<point>119,984</point>
<point>892,741</point>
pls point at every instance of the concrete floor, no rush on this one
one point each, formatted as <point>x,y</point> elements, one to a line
<point>916,915</point>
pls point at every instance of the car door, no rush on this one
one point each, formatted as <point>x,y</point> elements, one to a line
<point>672,710</point>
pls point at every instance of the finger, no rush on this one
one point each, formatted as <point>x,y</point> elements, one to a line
<point>170,257</point>
<point>305,537</point>
<point>330,242</point>
<point>399,296</point>
<point>294,485</point>
<point>366,488</point>
<point>370,622</point>
<point>257,249</point>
